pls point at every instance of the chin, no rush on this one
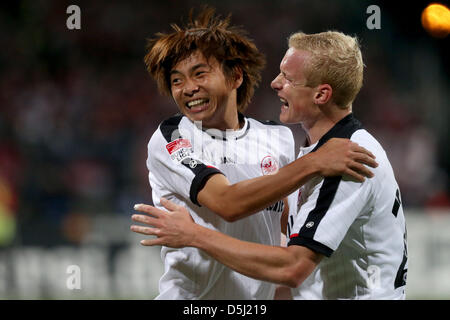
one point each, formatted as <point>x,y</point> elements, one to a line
<point>285,119</point>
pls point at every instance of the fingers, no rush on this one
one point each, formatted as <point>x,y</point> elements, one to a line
<point>357,148</point>
<point>354,175</point>
<point>361,170</point>
<point>146,219</point>
<point>358,171</point>
<point>365,159</point>
<point>149,232</point>
<point>364,156</point>
<point>152,242</point>
<point>148,209</point>
<point>153,218</point>
<point>169,205</point>
<point>145,230</point>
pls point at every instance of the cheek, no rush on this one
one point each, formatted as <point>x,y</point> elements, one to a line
<point>296,110</point>
<point>176,97</point>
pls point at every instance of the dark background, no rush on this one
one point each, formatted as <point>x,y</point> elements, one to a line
<point>77,107</point>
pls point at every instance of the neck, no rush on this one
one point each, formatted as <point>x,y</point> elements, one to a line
<point>231,120</point>
<point>223,122</point>
<point>324,122</point>
<point>225,117</point>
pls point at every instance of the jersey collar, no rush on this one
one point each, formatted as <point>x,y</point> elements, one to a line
<point>344,128</point>
<point>230,134</point>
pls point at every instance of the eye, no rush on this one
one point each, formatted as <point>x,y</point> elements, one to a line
<point>200,73</point>
<point>286,78</point>
<point>175,81</point>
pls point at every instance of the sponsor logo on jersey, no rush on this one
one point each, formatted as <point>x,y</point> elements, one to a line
<point>193,163</point>
<point>178,144</point>
<point>269,165</point>
<point>179,149</point>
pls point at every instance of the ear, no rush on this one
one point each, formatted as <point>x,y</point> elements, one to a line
<point>238,77</point>
<point>323,94</point>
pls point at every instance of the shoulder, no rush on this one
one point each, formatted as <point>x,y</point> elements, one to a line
<point>169,127</point>
<point>384,172</point>
<point>168,130</point>
<point>368,141</point>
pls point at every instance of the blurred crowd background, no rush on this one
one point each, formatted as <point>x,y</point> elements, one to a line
<point>77,107</point>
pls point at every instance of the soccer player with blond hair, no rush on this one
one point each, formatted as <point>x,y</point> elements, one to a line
<point>348,238</point>
<point>201,158</point>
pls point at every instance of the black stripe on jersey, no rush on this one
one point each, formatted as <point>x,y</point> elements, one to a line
<point>201,171</point>
<point>306,235</point>
<point>270,122</point>
<point>400,279</point>
<point>397,203</point>
<point>343,129</point>
<point>169,126</point>
<point>311,244</point>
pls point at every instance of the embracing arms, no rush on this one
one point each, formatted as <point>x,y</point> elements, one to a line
<point>236,201</point>
<point>175,228</point>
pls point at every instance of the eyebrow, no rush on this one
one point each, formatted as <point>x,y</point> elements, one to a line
<point>285,75</point>
<point>197,66</point>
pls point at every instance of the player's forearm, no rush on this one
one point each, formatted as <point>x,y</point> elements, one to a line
<point>336,157</point>
<point>268,263</point>
<point>249,196</point>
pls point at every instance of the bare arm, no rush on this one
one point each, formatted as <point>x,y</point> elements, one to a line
<point>288,266</point>
<point>284,217</point>
<point>283,292</point>
<point>236,201</point>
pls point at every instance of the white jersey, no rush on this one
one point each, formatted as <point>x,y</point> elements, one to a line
<point>358,227</point>
<point>181,156</point>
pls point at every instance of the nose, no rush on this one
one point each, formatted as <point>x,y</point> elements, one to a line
<point>276,83</point>
<point>190,88</point>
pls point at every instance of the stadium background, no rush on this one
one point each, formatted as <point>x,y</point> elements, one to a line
<point>77,109</point>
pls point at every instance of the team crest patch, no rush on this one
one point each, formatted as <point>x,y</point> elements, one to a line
<point>179,149</point>
<point>269,165</point>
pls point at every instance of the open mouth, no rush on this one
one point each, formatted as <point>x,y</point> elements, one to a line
<point>285,103</point>
<point>197,104</point>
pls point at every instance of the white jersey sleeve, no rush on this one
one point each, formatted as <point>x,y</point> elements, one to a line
<point>173,165</point>
<point>330,205</point>
<point>322,223</point>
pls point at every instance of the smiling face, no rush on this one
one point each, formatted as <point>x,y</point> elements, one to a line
<point>202,92</point>
<point>298,99</point>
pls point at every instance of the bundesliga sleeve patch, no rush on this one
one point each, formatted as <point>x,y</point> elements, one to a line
<point>179,149</point>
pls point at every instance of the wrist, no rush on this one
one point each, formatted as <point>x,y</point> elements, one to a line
<point>196,236</point>
<point>313,164</point>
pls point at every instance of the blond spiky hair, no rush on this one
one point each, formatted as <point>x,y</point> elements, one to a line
<point>335,59</point>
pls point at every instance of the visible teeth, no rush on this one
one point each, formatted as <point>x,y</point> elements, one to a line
<point>284,102</point>
<point>196,102</point>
